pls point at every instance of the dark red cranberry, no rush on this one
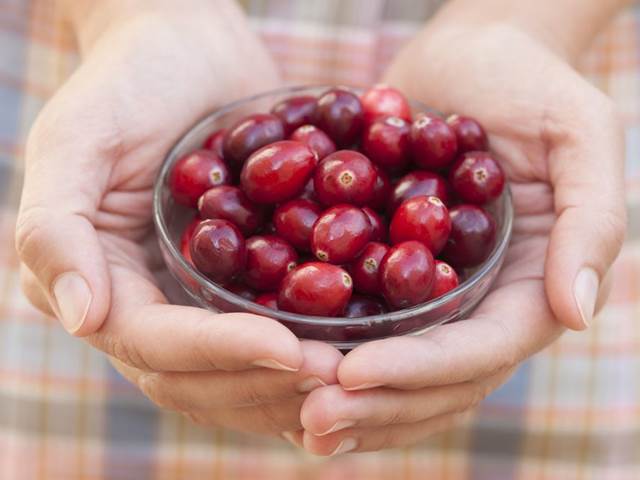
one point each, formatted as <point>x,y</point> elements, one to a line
<point>242,290</point>
<point>194,174</point>
<point>230,203</point>
<point>477,178</point>
<point>433,142</point>
<point>381,101</point>
<point>424,219</point>
<point>472,236</point>
<point>309,192</point>
<point>340,234</point>
<point>381,190</point>
<point>418,183</point>
<point>345,177</point>
<point>269,259</point>
<point>361,306</point>
<point>294,220</point>
<point>406,274</point>
<point>185,239</point>
<point>218,250</point>
<point>340,115</point>
<point>295,112</point>
<point>215,142</point>
<point>248,135</point>
<point>316,139</point>
<point>277,172</point>
<point>315,288</point>
<point>446,279</point>
<point>470,134</point>
<point>365,268</point>
<point>378,227</point>
<point>386,143</point>
<point>269,300</point>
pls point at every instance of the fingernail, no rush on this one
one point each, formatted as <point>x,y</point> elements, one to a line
<point>345,446</point>
<point>309,384</point>
<point>339,425</point>
<point>290,437</point>
<point>73,297</point>
<point>585,290</point>
<point>363,386</point>
<point>273,364</point>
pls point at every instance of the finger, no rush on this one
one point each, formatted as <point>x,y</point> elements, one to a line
<point>33,291</point>
<point>294,437</point>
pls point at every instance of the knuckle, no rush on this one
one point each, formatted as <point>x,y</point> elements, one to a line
<point>200,419</point>
<point>122,350</point>
<point>270,422</point>
<point>158,391</point>
<point>30,235</point>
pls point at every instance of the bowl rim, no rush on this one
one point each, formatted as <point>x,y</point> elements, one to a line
<point>495,257</point>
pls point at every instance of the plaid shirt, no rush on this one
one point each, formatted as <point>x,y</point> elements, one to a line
<point>571,412</point>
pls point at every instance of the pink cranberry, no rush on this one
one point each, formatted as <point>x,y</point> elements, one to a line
<point>315,288</point>
<point>418,183</point>
<point>215,142</point>
<point>381,190</point>
<point>472,236</point>
<point>294,220</point>
<point>248,135</point>
<point>340,115</point>
<point>185,239</point>
<point>269,300</point>
<point>406,274</point>
<point>381,101</point>
<point>242,290</point>
<point>194,174</point>
<point>340,234</point>
<point>269,259</point>
<point>378,228</point>
<point>361,306</point>
<point>230,203</point>
<point>218,250</point>
<point>477,178</point>
<point>345,177</point>
<point>315,139</point>
<point>365,268</point>
<point>446,279</point>
<point>433,142</point>
<point>424,219</point>
<point>277,172</point>
<point>470,134</point>
<point>295,112</point>
<point>386,143</point>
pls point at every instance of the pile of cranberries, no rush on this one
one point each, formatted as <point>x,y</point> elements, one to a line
<point>326,196</point>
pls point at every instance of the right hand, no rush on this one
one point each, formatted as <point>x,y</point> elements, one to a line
<point>84,231</point>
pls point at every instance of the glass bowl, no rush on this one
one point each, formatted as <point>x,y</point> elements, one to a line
<point>345,333</point>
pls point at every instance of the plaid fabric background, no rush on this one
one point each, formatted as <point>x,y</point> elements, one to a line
<point>572,412</point>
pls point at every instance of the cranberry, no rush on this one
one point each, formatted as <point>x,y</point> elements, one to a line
<point>269,300</point>
<point>477,178</point>
<point>230,203</point>
<point>381,190</point>
<point>309,192</point>
<point>386,143</point>
<point>185,239</point>
<point>249,134</point>
<point>345,177</point>
<point>242,290</point>
<point>315,289</point>
<point>215,141</point>
<point>195,173</point>
<point>406,274</point>
<point>433,142</point>
<point>378,229</point>
<point>316,139</point>
<point>277,172</point>
<point>470,134</point>
<point>340,234</point>
<point>269,259</point>
<point>294,220</point>
<point>218,249</point>
<point>472,236</point>
<point>361,306</point>
<point>366,267</point>
<point>382,100</point>
<point>424,219</point>
<point>295,112</point>
<point>446,279</point>
<point>418,183</point>
<point>340,115</point>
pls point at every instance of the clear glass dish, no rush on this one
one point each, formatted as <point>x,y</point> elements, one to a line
<point>345,333</point>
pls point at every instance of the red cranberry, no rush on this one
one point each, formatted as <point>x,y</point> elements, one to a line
<point>315,139</point>
<point>315,288</point>
<point>446,279</point>
<point>309,192</point>
<point>433,142</point>
<point>215,141</point>
<point>361,306</point>
<point>378,228</point>
<point>477,178</point>
<point>194,174</point>
<point>472,236</point>
<point>386,143</point>
<point>381,101</point>
<point>381,190</point>
<point>230,203</point>
<point>277,172</point>
<point>345,177</point>
<point>242,290</point>
<point>269,300</point>
<point>294,220</point>
<point>340,234</point>
<point>185,239</point>
<point>418,183</point>
<point>424,219</point>
<point>269,259</point>
<point>340,115</point>
<point>249,134</point>
<point>406,274</point>
<point>365,269</point>
<point>218,249</point>
<point>295,112</point>
<point>470,134</point>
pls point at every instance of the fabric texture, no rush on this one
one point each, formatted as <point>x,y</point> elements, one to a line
<point>570,413</point>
